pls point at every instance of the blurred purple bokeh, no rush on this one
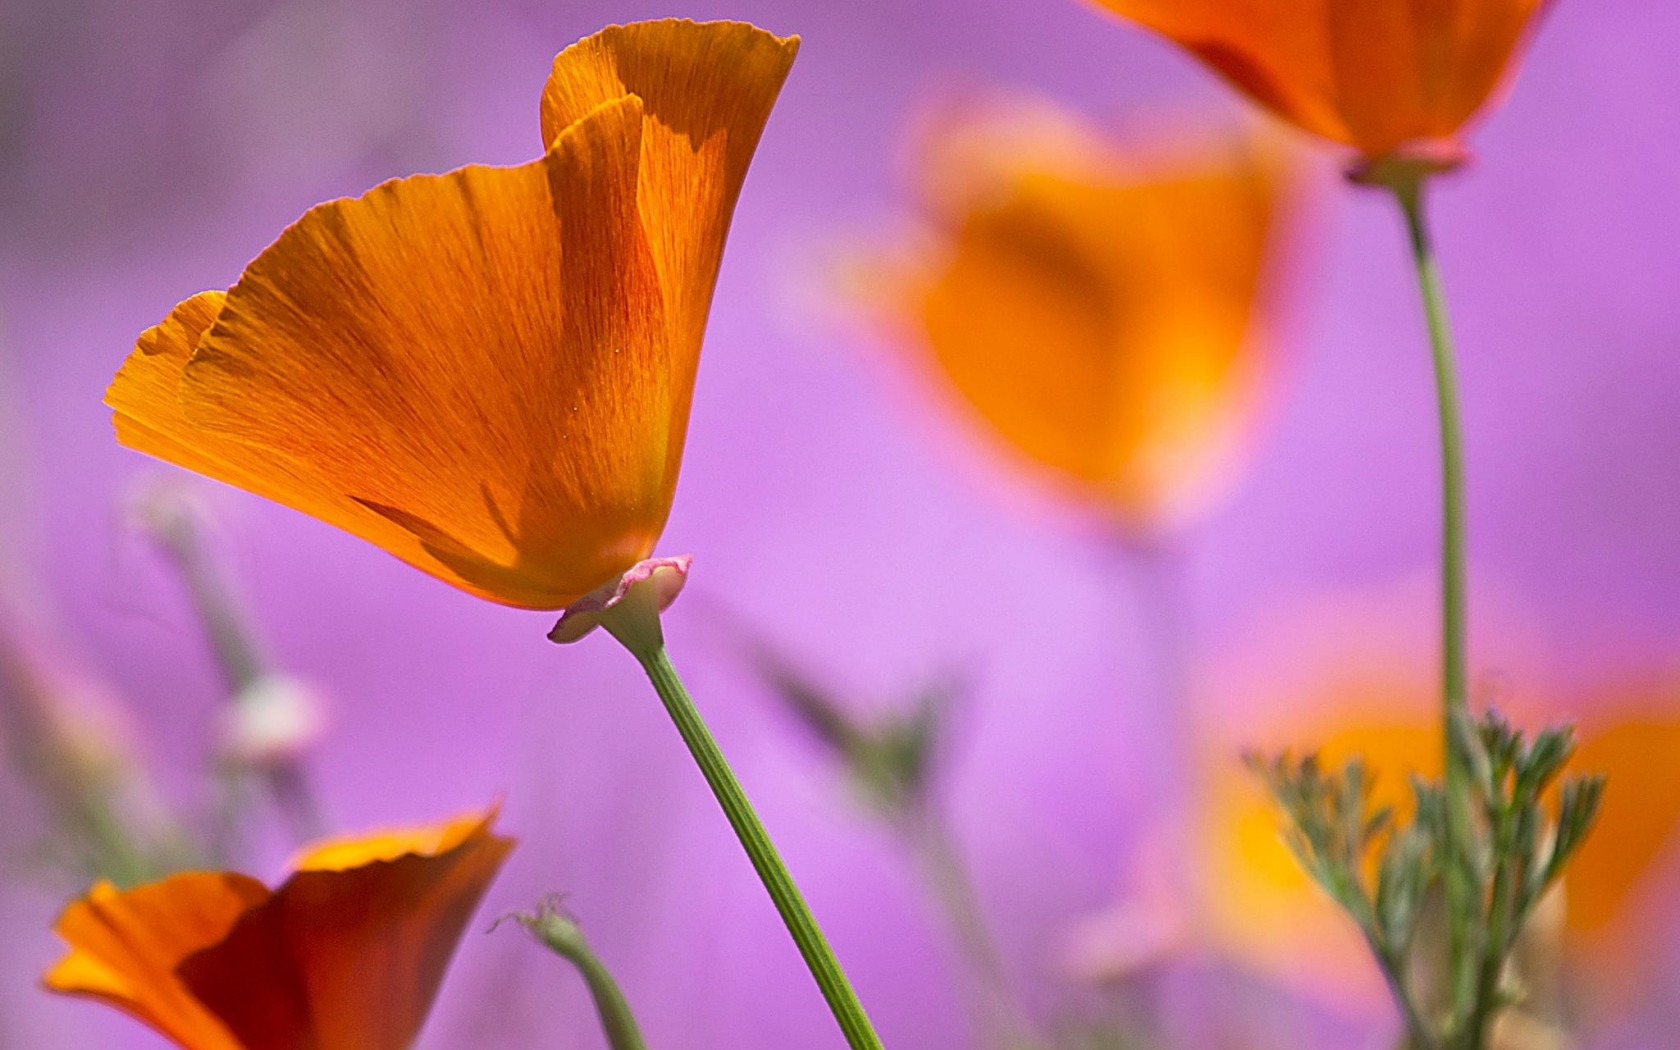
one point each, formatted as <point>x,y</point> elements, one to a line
<point>148,150</point>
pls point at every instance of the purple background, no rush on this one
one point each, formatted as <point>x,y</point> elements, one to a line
<point>149,150</point>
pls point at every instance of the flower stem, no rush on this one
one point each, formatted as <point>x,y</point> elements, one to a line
<point>1462,902</point>
<point>1453,621</point>
<point>819,957</point>
<point>563,936</point>
<point>244,665</point>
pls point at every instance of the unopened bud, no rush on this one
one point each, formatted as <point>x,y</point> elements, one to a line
<point>273,721</point>
<point>1128,938</point>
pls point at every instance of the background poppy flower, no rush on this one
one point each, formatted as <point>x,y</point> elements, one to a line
<point>1374,76</point>
<point>346,954</point>
<point>487,373</point>
<point>1098,314</point>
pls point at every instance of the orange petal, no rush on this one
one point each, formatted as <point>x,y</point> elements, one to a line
<point>349,957</point>
<point>707,89</point>
<point>478,357</point>
<point>125,947</point>
<point>487,373</point>
<point>148,416</point>
<point>1370,75</point>
<point>1100,324</point>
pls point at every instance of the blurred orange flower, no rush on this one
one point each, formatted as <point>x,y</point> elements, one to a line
<point>487,373</point>
<point>346,955</point>
<point>1377,76</point>
<point>1096,311</point>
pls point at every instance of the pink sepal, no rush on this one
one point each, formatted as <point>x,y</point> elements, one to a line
<point>661,579</point>
<point>1409,162</point>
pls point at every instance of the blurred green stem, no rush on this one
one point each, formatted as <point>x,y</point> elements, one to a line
<point>1158,570</point>
<point>244,667</point>
<point>801,924</point>
<point>935,851</point>
<point>1460,884</point>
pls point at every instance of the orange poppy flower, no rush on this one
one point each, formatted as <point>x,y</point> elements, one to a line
<point>1096,312</point>
<point>346,955</point>
<point>1377,76</point>
<point>487,373</point>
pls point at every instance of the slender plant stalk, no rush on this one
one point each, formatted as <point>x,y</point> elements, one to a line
<point>1461,893</point>
<point>819,957</point>
<point>929,840</point>
<point>1418,1034</point>
<point>1455,675</point>
<point>1157,567</point>
<point>244,665</point>
<point>616,1019</point>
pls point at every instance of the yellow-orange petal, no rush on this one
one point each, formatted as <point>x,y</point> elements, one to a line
<point>346,957</point>
<point>1374,76</point>
<point>125,947</point>
<point>1102,325</point>
<point>431,840</point>
<point>478,358</point>
<point>707,89</point>
<point>1258,904</point>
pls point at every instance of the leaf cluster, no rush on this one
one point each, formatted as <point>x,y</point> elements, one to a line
<point>1485,855</point>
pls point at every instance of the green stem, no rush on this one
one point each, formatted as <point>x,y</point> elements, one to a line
<point>565,939</point>
<point>819,957</point>
<point>1455,675</point>
<point>1462,902</point>
<point>1418,1034</point>
<point>1496,943</point>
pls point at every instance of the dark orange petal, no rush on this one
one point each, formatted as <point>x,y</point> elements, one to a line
<point>1100,323</point>
<point>350,957</point>
<point>1482,40</point>
<point>1418,72</point>
<point>480,358</point>
<point>125,947</point>
<point>1277,53</point>
<point>1371,75</point>
<point>707,89</point>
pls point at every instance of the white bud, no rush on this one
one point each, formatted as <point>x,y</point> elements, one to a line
<point>273,721</point>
